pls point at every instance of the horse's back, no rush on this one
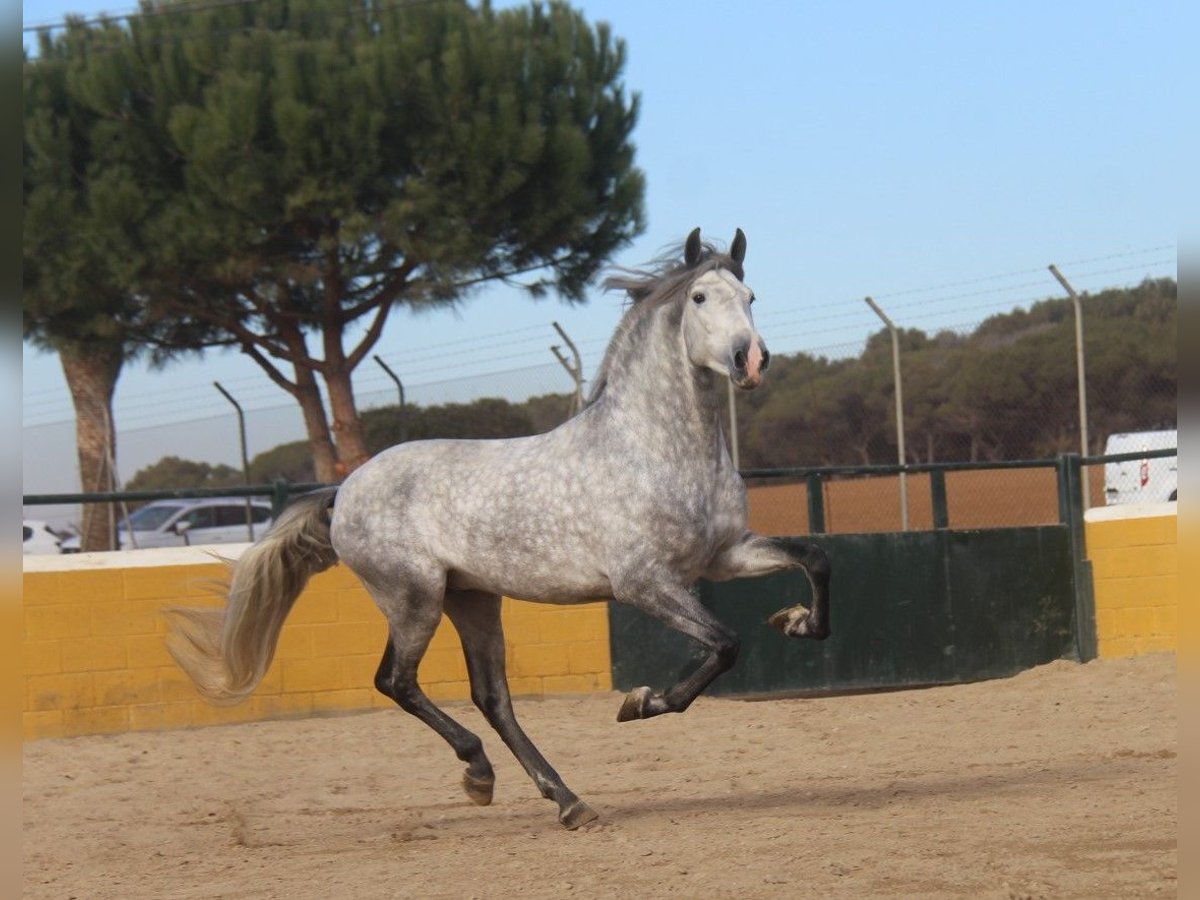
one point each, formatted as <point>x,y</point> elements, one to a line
<point>423,483</point>
<point>557,516</point>
<point>497,515</point>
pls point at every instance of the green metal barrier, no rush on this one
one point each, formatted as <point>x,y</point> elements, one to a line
<point>926,607</point>
<point>909,609</point>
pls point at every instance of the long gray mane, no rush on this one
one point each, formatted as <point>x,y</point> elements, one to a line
<point>660,282</point>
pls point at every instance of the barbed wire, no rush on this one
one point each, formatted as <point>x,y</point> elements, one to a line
<point>99,48</point>
<point>855,318</point>
<point>844,311</point>
<point>847,310</point>
<point>252,382</point>
<point>1013,274</point>
<point>551,381</point>
<point>251,389</point>
<point>134,13</point>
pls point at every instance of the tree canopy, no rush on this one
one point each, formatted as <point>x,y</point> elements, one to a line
<point>81,207</point>
<point>317,162</point>
<point>278,176</point>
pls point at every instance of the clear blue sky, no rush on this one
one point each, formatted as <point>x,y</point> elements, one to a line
<point>865,148</point>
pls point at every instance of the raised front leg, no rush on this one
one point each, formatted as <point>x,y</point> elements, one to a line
<point>755,555</point>
<point>674,605</point>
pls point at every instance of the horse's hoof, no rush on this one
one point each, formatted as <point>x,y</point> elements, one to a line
<point>786,617</point>
<point>634,706</point>
<point>578,813</point>
<point>796,621</point>
<point>479,790</point>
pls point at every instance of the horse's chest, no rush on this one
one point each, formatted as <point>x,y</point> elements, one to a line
<point>696,519</point>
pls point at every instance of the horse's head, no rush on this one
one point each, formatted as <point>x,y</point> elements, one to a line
<point>718,328</point>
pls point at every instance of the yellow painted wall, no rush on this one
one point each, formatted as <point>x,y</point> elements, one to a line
<point>1135,572</point>
<point>95,662</point>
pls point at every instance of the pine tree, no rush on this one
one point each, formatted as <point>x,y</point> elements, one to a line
<point>76,206</point>
<point>312,164</point>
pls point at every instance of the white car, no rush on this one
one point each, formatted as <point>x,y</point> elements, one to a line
<point>1142,480</point>
<point>178,523</point>
<point>40,537</point>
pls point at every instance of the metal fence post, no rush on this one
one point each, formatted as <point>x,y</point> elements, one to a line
<point>279,497</point>
<point>241,417</point>
<point>816,503</point>
<point>1070,493</point>
<point>937,498</point>
<point>575,371</point>
<point>1062,479</point>
<point>1081,376</point>
<point>399,387</point>
<point>891,327</point>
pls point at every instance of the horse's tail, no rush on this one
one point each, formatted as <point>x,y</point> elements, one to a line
<point>226,652</point>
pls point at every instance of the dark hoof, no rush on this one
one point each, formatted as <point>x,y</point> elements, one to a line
<point>634,706</point>
<point>796,621</point>
<point>479,790</point>
<point>578,813</point>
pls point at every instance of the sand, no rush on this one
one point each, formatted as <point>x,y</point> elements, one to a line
<point>1060,782</point>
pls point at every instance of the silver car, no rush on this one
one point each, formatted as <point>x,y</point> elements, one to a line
<point>178,523</point>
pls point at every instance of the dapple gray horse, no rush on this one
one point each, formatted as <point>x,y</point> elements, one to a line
<point>633,499</point>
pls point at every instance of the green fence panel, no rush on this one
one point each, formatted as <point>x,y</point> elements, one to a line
<point>928,607</point>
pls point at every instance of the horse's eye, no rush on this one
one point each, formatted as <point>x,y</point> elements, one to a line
<point>750,302</point>
<point>698,297</point>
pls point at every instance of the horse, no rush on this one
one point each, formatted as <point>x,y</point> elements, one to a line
<point>632,499</point>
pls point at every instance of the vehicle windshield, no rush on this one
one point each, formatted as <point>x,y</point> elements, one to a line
<point>148,518</point>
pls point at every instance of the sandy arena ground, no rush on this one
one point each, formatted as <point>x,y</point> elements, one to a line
<point>1060,782</point>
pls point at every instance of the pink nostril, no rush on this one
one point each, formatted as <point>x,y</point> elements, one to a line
<point>757,358</point>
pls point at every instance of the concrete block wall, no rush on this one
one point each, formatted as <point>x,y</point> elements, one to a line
<point>1135,576</point>
<point>95,662</point>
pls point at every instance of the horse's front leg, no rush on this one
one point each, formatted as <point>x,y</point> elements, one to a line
<point>673,605</point>
<point>754,555</point>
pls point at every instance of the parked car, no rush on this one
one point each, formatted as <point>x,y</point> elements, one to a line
<point>40,537</point>
<point>177,523</point>
<point>1142,480</point>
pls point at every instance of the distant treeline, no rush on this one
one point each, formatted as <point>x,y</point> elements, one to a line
<point>1007,390</point>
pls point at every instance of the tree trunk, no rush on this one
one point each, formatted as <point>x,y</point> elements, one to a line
<point>316,425</point>
<point>92,373</point>
<point>347,427</point>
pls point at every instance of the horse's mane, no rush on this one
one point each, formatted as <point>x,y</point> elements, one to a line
<point>650,287</point>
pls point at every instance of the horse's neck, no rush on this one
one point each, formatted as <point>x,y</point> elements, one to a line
<point>654,388</point>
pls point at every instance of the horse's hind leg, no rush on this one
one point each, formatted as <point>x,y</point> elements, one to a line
<point>411,628</point>
<point>477,618</point>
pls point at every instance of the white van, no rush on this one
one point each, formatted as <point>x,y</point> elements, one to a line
<point>176,523</point>
<point>1141,480</point>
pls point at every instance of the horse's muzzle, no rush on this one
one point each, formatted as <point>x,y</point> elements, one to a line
<point>750,363</point>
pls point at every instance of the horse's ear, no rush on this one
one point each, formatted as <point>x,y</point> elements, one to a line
<point>737,250</point>
<point>691,249</point>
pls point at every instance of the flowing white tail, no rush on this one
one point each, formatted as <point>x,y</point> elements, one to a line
<point>226,652</point>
